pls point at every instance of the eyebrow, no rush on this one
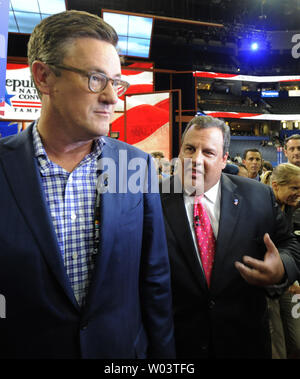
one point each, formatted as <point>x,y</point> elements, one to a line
<point>97,70</point>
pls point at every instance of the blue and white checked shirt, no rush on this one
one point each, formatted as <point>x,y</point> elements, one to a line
<point>71,201</point>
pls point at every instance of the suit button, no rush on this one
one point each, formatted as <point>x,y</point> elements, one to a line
<point>84,326</point>
<point>211,304</point>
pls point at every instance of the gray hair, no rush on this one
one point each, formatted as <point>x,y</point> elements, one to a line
<point>284,173</point>
<point>205,122</point>
<point>51,38</point>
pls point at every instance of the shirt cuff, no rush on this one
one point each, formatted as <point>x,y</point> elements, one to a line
<point>276,290</point>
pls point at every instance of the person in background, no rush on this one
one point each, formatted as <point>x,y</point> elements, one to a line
<point>165,168</point>
<point>266,166</point>
<point>231,168</point>
<point>285,328</point>
<point>266,178</point>
<point>162,164</point>
<point>157,157</point>
<point>292,149</point>
<point>242,170</point>
<point>266,172</point>
<point>252,159</point>
<point>83,259</point>
<point>157,154</point>
<point>292,153</point>
<point>229,246</point>
<point>237,159</point>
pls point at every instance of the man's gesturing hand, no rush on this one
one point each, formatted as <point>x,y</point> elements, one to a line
<point>263,273</point>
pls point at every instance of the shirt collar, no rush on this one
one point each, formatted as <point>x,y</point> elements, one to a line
<point>210,195</point>
<point>39,149</point>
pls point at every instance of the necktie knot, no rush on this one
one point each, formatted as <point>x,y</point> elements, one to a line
<point>198,199</point>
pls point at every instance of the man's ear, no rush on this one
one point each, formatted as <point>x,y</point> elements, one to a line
<point>225,159</point>
<point>41,75</point>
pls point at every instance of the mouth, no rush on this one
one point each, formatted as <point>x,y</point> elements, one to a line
<point>103,113</point>
<point>294,199</point>
<point>197,173</point>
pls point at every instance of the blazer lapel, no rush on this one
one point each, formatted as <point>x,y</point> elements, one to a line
<point>110,205</point>
<point>18,160</point>
<point>175,214</point>
<point>231,203</point>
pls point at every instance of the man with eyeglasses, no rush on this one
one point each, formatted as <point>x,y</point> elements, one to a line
<point>83,263</point>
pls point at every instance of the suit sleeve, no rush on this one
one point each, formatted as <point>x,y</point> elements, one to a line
<point>155,275</point>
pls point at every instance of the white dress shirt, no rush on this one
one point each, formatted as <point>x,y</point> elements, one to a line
<point>211,202</point>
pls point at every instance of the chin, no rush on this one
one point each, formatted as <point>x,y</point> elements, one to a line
<point>101,130</point>
<point>199,186</point>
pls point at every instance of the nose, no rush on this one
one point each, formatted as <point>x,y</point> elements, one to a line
<point>108,95</point>
<point>197,158</point>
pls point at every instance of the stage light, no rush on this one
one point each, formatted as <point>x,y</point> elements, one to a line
<point>254,46</point>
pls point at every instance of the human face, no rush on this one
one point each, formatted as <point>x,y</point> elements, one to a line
<point>292,151</point>
<point>165,166</point>
<point>202,149</point>
<point>83,114</point>
<point>253,163</point>
<point>288,194</point>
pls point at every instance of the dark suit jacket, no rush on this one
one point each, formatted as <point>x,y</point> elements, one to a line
<point>230,319</point>
<point>128,306</point>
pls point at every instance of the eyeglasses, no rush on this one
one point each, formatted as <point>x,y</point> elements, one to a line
<point>97,80</point>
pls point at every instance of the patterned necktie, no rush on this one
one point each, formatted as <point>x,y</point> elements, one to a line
<point>205,237</point>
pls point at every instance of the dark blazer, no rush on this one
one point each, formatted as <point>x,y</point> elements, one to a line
<point>230,319</point>
<point>128,306</point>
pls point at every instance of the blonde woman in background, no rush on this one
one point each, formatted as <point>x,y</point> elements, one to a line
<point>266,177</point>
<point>285,329</point>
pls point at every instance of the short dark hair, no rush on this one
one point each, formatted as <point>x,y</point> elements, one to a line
<point>293,136</point>
<point>205,122</point>
<point>253,151</point>
<point>157,154</point>
<point>241,165</point>
<point>268,165</point>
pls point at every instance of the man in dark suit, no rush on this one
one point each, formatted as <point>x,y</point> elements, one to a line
<point>83,261</point>
<point>254,253</point>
